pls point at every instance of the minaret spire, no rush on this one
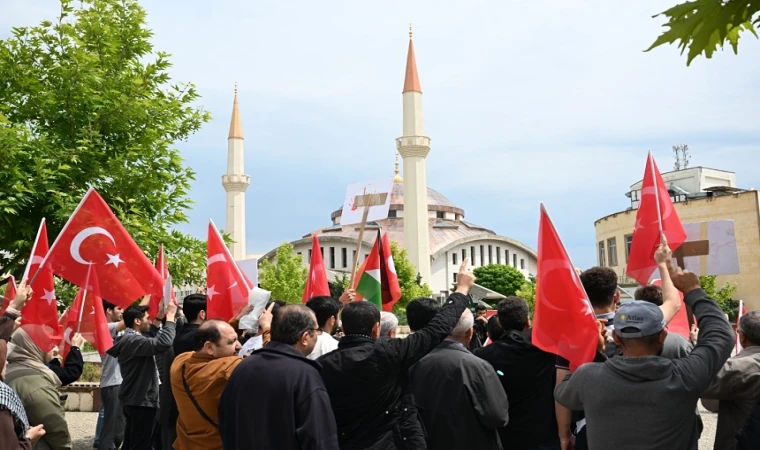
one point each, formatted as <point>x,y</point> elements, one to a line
<point>235,183</point>
<point>414,146</point>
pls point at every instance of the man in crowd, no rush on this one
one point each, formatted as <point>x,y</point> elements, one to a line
<point>112,431</point>
<point>420,311</point>
<point>198,379</point>
<point>527,376</point>
<point>388,324</point>
<point>652,398</point>
<point>733,391</point>
<point>367,377</point>
<point>276,398</point>
<point>481,324</point>
<point>194,307</point>
<point>459,395</point>
<point>676,346</point>
<point>495,331</point>
<point>326,309</point>
<point>136,352</point>
<point>600,284</point>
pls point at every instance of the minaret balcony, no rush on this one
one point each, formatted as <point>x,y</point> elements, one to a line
<point>236,182</point>
<point>413,146</point>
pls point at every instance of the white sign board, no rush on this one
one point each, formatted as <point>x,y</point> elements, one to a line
<point>250,267</point>
<point>258,298</point>
<point>353,214</point>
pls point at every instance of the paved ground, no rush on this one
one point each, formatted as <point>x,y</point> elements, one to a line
<point>82,428</point>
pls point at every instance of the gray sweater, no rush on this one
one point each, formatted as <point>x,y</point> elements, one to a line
<point>648,402</point>
<point>136,355</point>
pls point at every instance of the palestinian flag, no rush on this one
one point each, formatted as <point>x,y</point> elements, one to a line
<point>378,282</point>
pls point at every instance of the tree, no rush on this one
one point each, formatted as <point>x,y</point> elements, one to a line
<point>338,285</point>
<point>86,101</point>
<point>505,280</point>
<point>723,296</point>
<point>528,293</point>
<point>411,288</point>
<point>286,277</point>
<point>703,25</point>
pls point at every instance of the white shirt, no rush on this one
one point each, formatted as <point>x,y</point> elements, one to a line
<point>325,344</point>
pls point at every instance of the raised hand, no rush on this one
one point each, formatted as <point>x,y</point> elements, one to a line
<point>23,294</point>
<point>684,280</point>
<point>348,296</point>
<point>77,340</point>
<point>265,319</point>
<point>663,255</point>
<point>465,279</point>
<point>171,310</point>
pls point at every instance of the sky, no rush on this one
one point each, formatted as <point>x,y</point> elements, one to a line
<point>525,102</point>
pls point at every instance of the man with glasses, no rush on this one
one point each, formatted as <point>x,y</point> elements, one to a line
<point>276,398</point>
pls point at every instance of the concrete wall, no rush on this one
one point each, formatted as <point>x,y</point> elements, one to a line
<point>742,208</point>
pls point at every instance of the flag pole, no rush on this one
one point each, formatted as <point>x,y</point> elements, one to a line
<point>656,192</point>
<point>232,260</point>
<point>359,246</point>
<point>84,300</point>
<point>34,249</point>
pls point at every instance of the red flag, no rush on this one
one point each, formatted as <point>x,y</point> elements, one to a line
<point>163,269</point>
<point>228,287</point>
<point>563,322</point>
<point>94,238</point>
<point>41,335</point>
<point>10,293</point>
<point>42,308</point>
<point>316,284</point>
<point>655,208</point>
<point>87,317</point>
<point>390,285</point>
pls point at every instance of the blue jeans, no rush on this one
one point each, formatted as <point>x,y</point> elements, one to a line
<point>99,426</point>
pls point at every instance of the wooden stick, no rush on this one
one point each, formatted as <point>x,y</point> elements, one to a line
<point>84,300</point>
<point>359,246</point>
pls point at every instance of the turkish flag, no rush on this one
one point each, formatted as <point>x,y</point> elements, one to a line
<point>646,235</point>
<point>155,300</point>
<point>10,293</point>
<point>316,283</point>
<point>42,308</point>
<point>228,288</point>
<point>93,325</point>
<point>390,286</point>
<point>94,238</point>
<point>563,322</point>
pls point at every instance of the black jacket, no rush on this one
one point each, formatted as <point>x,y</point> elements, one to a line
<point>183,342</point>
<point>72,367</point>
<point>368,383</point>
<point>460,399</point>
<point>749,436</point>
<point>136,354</point>
<point>275,399</point>
<point>528,376</point>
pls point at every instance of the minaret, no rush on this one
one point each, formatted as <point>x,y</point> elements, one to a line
<point>414,146</point>
<point>235,183</point>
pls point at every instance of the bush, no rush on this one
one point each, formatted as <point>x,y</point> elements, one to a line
<point>91,372</point>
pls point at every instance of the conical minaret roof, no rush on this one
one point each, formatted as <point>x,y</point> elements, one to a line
<point>236,128</point>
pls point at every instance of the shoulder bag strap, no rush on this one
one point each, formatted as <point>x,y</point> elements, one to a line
<point>195,403</point>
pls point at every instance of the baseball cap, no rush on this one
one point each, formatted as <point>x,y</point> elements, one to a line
<point>639,319</point>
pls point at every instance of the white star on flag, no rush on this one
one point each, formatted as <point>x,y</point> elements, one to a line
<point>114,259</point>
<point>49,296</point>
<point>211,292</point>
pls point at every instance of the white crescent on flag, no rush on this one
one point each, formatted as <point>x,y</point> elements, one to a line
<point>79,239</point>
<point>219,257</point>
<point>391,266</point>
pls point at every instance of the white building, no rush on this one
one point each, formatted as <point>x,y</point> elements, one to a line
<point>422,220</point>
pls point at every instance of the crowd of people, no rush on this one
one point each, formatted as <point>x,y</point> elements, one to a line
<point>331,374</point>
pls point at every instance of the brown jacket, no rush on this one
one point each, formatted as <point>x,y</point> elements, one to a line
<point>206,377</point>
<point>736,386</point>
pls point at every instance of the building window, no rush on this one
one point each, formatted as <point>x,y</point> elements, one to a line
<point>506,257</point>
<point>628,242</point>
<point>472,255</point>
<point>344,257</point>
<point>612,251</point>
<point>601,254</point>
<point>392,213</point>
<point>454,258</point>
<point>298,253</point>
<point>482,255</point>
<point>514,260</point>
<point>353,261</point>
<point>498,255</point>
<point>440,215</point>
<point>332,257</point>
<point>522,264</point>
<point>322,251</point>
<point>455,278</point>
<point>309,256</point>
<point>464,254</point>
<point>490,254</point>
<point>366,255</point>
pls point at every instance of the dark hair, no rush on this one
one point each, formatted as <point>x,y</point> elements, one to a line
<point>133,313</point>
<point>495,331</point>
<point>192,306</point>
<point>600,284</point>
<point>420,311</point>
<point>480,307</point>
<point>513,313</point>
<point>108,305</point>
<point>649,293</point>
<point>207,332</point>
<point>291,322</point>
<point>324,307</point>
<point>646,341</point>
<point>360,318</point>
<point>749,324</point>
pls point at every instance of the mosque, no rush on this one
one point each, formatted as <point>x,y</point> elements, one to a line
<point>429,226</point>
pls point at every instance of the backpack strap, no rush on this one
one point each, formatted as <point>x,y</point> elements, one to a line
<point>195,402</point>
